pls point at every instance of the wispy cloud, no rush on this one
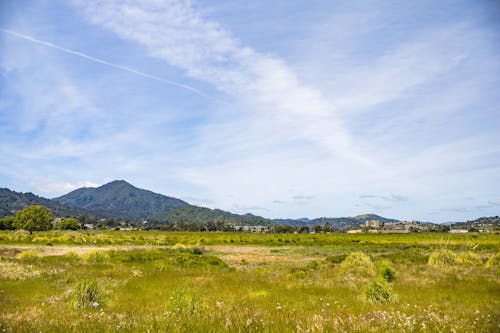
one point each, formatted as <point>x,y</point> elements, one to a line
<point>103,62</point>
<point>177,33</point>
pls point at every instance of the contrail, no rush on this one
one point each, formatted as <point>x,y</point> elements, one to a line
<point>104,62</point>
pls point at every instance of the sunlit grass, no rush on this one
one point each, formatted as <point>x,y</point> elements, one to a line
<point>207,288</point>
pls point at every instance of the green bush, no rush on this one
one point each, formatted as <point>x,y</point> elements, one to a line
<point>88,294</point>
<point>379,291</point>
<point>469,258</point>
<point>336,259</point>
<point>358,262</point>
<point>443,258</point>
<point>388,273</point>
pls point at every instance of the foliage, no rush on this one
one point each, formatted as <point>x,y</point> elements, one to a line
<point>88,294</point>
<point>7,223</point>
<point>388,273</point>
<point>379,291</point>
<point>119,199</point>
<point>147,286</point>
<point>443,258</point>
<point>34,218</point>
<point>358,262</point>
<point>69,224</point>
<point>11,201</point>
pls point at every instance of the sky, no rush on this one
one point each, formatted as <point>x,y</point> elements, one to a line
<point>279,108</point>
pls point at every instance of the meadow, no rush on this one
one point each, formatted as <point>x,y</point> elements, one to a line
<point>137,281</point>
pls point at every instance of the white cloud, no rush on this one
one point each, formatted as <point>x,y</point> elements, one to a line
<point>178,34</point>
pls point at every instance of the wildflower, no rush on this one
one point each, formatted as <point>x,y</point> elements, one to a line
<point>219,304</point>
<point>278,306</point>
<point>95,305</point>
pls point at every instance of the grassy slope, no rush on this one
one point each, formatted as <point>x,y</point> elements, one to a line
<point>276,283</point>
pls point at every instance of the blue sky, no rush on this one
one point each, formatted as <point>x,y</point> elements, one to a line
<point>279,108</point>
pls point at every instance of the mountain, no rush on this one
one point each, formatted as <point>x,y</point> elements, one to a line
<point>11,201</point>
<point>201,215</point>
<point>335,222</point>
<point>120,199</point>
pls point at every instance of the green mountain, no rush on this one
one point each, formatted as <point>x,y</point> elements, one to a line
<point>11,201</point>
<point>335,222</point>
<point>202,215</point>
<point>120,199</point>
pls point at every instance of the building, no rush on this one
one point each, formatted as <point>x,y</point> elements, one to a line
<point>375,224</point>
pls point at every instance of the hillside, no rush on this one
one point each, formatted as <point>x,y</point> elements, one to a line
<point>335,222</point>
<point>120,199</point>
<point>202,215</point>
<point>11,201</point>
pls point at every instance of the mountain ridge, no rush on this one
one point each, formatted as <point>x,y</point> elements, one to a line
<point>120,199</point>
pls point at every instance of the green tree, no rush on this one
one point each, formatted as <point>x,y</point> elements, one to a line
<point>7,223</point>
<point>69,224</point>
<point>34,218</point>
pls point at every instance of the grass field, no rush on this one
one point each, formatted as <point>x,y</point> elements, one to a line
<point>216,282</point>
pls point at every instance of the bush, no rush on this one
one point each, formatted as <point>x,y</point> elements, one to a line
<point>28,256</point>
<point>358,262</point>
<point>69,224</point>
<point>443,258</point>
<point>388,273</point>
<point>379,291</point>
<point>469,258</point>
<point>337,259</point>
<point>88,294</point>
<point>493,261</point>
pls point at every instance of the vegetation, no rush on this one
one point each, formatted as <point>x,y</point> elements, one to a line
<point>136,281</point>
<point>119,199</point>
<point>34,218</point>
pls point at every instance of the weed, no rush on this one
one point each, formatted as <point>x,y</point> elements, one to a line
<point>388,273</point>
<point>358,262</point>
<point>28,257</point>
<point>493,261</point>
<point>88,294</point>
<point>379,291</point>
<point>442,258</point>
<point>469,258</point>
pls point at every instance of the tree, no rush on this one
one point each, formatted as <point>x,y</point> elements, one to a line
<point>69,224</point>
<point>7,223</point>
<point>34,218</point>
<point>317,228</point>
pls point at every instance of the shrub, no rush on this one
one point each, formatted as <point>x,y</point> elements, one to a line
<point>88,294</point>
<point>493,261</point>
<point>28,256</point>
<point>358,262</point>
<point>379,291</point>
<point>337,259</point>
<point>469,258</point>
<point>388,273</point>
<point>443,258</point>
<point>69,224</point>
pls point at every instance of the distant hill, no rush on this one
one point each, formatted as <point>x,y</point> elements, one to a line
<point>335,222</point>
<point>202,215</point>
<point>120,199</point>
<point>479,223</point>
<point>11,202</point>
